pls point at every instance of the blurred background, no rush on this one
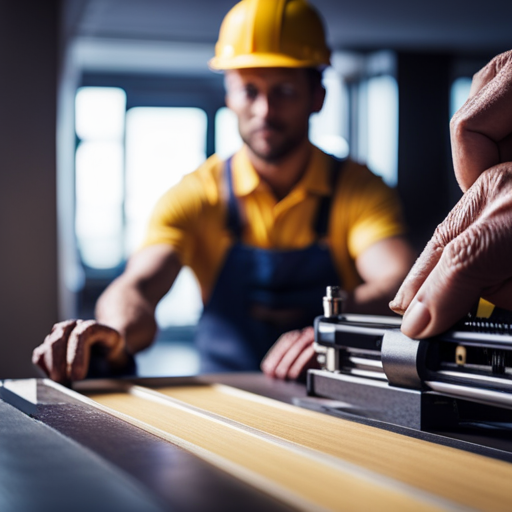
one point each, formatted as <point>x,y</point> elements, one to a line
<point>104,104</point>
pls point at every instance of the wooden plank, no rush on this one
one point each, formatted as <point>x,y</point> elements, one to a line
<point>481,441</point>
<point>295,474</point>
<point>466,478</point>
<point>182,480</point>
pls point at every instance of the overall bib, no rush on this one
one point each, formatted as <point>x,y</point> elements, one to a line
<point>263,293</point>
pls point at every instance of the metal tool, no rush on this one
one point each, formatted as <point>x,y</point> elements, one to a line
<point>463,376</point>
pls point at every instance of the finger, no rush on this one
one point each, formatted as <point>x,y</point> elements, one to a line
<point>305,340</point>
<point>479,130</point>
<point>306,359</point>
<point>489,72</point>
<point>465,212</point>
<point>50,356</point>
<point>38,357</point>
<point>474,264</point>
<point>84,335</point>
<point>440,302</point>
<point>274,356</point>
<point>417,275</point>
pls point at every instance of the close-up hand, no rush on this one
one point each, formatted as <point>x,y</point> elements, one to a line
<point>468,257</point>
<point>291,355</point>
<point>469,254</point>
<point>481,131</point>
<point>65,353</point>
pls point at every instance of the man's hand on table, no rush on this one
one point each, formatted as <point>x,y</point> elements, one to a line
<point>291,355</point>
<point>470,254</point>
<point>65,353</point>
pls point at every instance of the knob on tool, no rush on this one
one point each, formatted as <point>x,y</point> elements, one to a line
<point>333,301</point>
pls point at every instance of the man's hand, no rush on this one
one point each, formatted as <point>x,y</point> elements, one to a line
<point>128,305</point>
<point>469,256</point>
<point>481,131</point>
<point>65,353</point>
<point>292,354</point>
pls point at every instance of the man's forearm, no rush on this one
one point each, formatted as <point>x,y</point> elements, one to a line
<point>382,267</point>
<point>372,298</point>
<point>123,307</point>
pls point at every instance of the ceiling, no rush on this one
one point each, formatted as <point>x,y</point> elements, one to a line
<point>109,29</point>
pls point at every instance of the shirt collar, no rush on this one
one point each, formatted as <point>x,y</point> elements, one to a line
<point>245,178</point>
<point>316,179</point>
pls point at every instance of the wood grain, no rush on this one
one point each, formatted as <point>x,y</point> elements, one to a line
<point>469,479</point>
<point>306,479</point>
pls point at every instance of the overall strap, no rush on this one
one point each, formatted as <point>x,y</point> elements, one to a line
<point>324,208</point>
<point>234,223</point>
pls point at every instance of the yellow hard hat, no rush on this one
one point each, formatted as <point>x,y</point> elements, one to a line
<point>271,33</point>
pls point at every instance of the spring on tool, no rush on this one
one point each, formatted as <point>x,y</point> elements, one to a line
<point>486,325</point>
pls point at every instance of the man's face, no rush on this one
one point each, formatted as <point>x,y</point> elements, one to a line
<point>273,106</point>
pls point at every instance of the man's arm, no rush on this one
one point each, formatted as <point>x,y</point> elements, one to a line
<point>125,317</point>
<point>382,267</point>
<point>128,304</point>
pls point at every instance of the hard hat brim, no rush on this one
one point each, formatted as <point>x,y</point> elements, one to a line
<point>265,60</point>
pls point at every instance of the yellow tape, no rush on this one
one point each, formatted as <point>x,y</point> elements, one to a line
<point>485,309</point>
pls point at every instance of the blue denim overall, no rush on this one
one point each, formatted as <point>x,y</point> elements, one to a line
<point>232,335</point>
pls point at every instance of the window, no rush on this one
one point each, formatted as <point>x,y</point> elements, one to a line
<point>329,128</point>
<point>378,126</point>
<point>162,145</point>
<point>382,128</point>
<point>124,162</point>
<point>370,109</point>
<point>459,93</point>
<point>227,138</point>
<point>99,175</point>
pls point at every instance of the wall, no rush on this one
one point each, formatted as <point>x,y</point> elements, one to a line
<point>28,238</point>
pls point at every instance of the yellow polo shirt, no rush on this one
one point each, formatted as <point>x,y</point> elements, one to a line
<point>191,216</point>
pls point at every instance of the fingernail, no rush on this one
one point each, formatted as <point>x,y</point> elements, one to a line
<point>396,304</point>
<point>416,319</point>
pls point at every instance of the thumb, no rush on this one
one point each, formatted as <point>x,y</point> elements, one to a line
<point>476,261</point>
<point>445,297</point>
<point>429,264</point>
<point>474,264</point>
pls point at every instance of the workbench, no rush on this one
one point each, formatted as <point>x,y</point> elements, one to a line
<point>233,442</point>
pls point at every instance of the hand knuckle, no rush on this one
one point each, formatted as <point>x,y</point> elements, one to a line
<point>467,251</point>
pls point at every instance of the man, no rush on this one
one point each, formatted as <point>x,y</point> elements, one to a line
<point>264,232</point>
<point>470,254</point>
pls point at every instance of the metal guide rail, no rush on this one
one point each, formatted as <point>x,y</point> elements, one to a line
<point>461,377</point>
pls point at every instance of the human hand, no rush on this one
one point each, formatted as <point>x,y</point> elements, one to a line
<point>65,353</point>
<point>481,131</point>
<point>468,257</point>
<point>290,355</point>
